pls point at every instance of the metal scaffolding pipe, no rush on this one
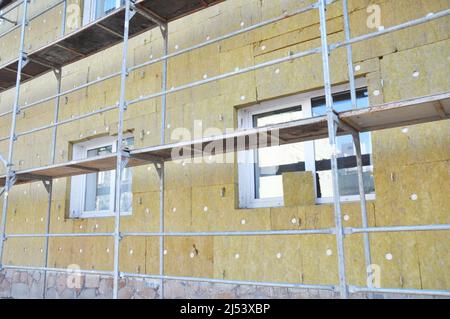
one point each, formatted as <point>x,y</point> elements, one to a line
<point>66,270</point>
<point>362,200</point>
<point>351,74</point>
<point>332,130</point>
<point>9,169</point>
<point>161,173</point>
<point>63,20</point>
<point>392,229</point>
<point>59,235</point>
<point>233,282</point>
<point>120,152</point>
<point>427,292</point>
<point>49,188</point>
<point>326,231</point>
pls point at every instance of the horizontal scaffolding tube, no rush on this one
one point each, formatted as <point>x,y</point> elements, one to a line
<point>232,282</point>
<point>59,235</point>
<point>388,229</point>
<point>169,56</point>
<point>325,231</point>
<point>356,289</point>
<point>69,270</point>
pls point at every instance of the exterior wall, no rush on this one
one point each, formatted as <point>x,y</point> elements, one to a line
<point>415,162</point>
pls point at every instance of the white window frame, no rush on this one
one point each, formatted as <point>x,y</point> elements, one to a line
<point>246,171</point>
<point>90,10</point>
<point>78,183</point>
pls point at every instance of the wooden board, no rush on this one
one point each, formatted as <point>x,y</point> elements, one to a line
<point>396,114</point>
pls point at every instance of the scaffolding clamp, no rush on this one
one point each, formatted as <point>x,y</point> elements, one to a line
<point>12,180</point>
<point>48,185</point>
<point>125,155</point>
<point>159,168</point>
<point>343,125</point>
<point>25,59</point>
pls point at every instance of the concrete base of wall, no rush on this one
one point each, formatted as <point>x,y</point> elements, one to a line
<point>19,284</point>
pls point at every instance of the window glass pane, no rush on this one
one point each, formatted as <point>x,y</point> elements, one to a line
<point>348,178</point>
<point>271,162</point>
<point>103,7</point>
<point>98,185</point>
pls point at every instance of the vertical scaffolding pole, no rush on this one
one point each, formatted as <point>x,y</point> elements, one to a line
<point>49,184</point>
<point>121,156</point>
<point>49,187</point>
<point>57,73</point>
<point>362,197</point>
<point>10,176</point>
<point>165,33</point>
<point>332,130</point>
<point>63,18</point>
<point>351,74</point>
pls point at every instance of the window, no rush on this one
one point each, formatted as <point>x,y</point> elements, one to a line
<point>260,171</point>
<point>95,9</point>
<point>92,195</point>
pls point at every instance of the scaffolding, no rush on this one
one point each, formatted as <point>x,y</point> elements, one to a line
<point>69,49</point>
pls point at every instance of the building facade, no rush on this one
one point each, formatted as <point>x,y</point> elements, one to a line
<point>406,169</point>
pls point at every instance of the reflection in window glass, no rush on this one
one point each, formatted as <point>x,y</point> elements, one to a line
<point>348,178</point>
<point>271,162</point>
<point>100,186</point>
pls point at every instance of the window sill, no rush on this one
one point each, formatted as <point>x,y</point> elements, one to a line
<point>108,214</point>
